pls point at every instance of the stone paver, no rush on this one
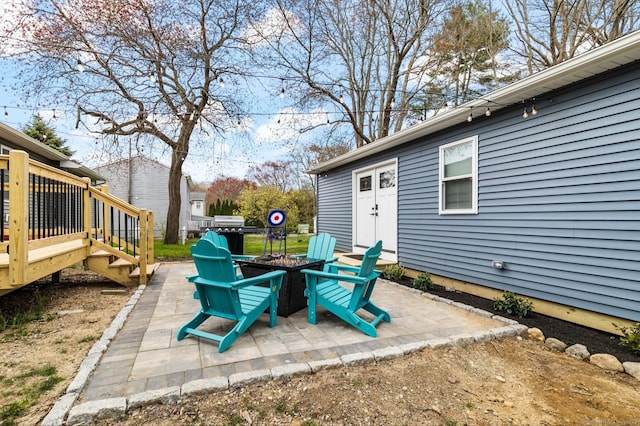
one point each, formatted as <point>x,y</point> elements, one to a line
<point>143,361</point>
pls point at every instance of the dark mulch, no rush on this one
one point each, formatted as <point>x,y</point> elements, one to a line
<point>596,341</point>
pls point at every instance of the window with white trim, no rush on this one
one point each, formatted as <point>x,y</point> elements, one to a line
<point>458,177</point>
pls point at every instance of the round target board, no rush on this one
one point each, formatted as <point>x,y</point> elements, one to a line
<point>276,218</point>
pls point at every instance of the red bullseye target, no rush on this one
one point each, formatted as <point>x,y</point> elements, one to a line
<point>276,218</point>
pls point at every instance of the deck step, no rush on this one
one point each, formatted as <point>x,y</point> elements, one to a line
<point>151,269</point>
<point>119,263</point>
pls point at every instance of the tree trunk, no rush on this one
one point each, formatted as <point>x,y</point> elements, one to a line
<point>172,233</point>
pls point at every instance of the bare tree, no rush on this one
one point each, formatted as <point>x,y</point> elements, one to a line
<point>274,173</point>
<point>552,31</point>
<point>138,68</point>
<point>305,157</point>
<point>357,55</point>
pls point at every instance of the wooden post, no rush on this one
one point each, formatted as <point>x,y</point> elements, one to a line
<point>86,212</point>
<point>18,217</point>
<point>144,231</point>
<point>150,231</point>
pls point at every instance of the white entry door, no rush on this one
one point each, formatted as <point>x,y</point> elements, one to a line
<point>376,209</point>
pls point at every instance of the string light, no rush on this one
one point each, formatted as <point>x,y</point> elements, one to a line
<point>470,118</point>
<point>221,82</point>
<point>6,114</point>
<point>488,112</point>
<point>534,111</point>
<point>152,77</point>
<point>54,116</point>
<point>80,66</point>
<point>525,114</point>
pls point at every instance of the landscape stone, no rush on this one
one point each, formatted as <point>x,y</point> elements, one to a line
<point>578,351</point>
<point>632,369</point>
<point>606,362</point>
<point>535,334</point>
<point>555,344</point>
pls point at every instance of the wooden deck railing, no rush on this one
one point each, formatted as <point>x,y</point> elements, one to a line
<point>53,220</point>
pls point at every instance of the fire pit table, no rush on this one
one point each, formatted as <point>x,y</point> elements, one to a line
<point>291,298</point>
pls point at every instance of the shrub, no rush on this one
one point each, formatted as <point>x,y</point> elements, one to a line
<point>513,305</point>
<point>423,281</point>
<point>394,272</point>
<point>631,337</point>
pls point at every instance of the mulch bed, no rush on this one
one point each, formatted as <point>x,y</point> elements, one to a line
<point>596,341</point>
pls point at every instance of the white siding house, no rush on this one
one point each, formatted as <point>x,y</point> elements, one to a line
<point>143,182</point>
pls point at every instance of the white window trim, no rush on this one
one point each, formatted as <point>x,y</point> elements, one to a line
<point>473,176</point>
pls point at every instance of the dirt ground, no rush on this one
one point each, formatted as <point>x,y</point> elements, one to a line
<point>509,382</point>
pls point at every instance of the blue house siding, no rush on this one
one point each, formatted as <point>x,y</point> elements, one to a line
<point>334,211</point>
<point>558,200</point>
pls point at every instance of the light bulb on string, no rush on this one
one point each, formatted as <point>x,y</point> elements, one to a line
<point>488,112</point>
<point>152,77</point>
<point>80,66</point>
<point>534,111</point>
<point>525,114</point>
<point>221,82</point>
<point>470,118</point>
<point>54,116</point>
<point>6,114</point>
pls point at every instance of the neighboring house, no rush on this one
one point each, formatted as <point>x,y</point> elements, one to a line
<point>143,182</point>
<point>198,205</point>
<point>553,198</point>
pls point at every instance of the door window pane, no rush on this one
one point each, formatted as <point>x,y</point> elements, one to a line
<point>388,179</point>
<point>365,183</point>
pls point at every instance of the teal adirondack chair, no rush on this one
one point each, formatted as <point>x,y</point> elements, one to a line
<point>324,289</point>
<point>220,241</point>
<point>321,246</point>
<point>223,295</point>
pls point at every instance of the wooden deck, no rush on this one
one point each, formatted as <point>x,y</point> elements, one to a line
<point>82,231</point>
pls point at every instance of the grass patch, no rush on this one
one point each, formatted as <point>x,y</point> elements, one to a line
<point>28,387</point>
<point>89,338</point>
<point>19,315</point>
<point>254,244</point>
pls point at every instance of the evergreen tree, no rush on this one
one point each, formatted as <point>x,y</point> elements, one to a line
<point>46,134</point>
